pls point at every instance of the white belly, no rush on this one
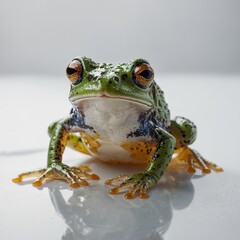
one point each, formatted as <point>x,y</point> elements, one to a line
<point>112,121</point>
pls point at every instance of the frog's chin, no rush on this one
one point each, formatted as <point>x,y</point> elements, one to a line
<point>77,100</point>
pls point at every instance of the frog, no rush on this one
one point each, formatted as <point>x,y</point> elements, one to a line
<point>119,115</point>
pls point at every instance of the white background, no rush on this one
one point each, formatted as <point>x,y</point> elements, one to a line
<point>174,35</point>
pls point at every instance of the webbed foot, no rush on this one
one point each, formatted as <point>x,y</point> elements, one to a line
<point>75,176</point>
<point>195,161</point>
<point>138,182</point>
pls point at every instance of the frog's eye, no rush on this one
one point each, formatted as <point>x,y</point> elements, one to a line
<point>74,72</point>
<point>143,75</point>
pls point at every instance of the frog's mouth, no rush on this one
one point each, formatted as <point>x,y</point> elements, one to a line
<point>76,101</point>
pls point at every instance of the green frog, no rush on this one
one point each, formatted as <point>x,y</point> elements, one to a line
<point>119,115</point>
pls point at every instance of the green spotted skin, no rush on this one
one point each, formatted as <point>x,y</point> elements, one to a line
<point>184,131</point>
<point>162,156</point>
<point>58,141</point>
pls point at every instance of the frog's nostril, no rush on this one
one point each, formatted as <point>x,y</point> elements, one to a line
<point>124,77</point>
<point>70,71</point>
<point>113,80</point>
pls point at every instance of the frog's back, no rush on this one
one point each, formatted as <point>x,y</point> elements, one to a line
<point>162,113</point>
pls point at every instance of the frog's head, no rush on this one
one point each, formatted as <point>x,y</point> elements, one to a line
<point>133,81</point>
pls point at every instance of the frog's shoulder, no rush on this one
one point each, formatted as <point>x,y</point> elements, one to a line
<point>162,113</point>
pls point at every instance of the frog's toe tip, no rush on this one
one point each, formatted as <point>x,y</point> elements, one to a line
<point>108,182</point>
<point>206,171</point>
<point>143,196</point>
<point>114,191</point>
<point>75,185</point>
<point>219,169</point>
<point>191,170</point>
<point>94,177</point>
<point>37,183</point>
<point>129,196</point>
<point>17,180</point>
<point>84,168</point>
<point>78,184</point>
<point>84,183</point>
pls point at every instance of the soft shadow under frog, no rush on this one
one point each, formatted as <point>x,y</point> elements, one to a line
<point>90,213</point>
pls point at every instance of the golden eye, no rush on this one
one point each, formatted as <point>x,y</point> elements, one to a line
<point>74,71</point>
<point>143,75</point>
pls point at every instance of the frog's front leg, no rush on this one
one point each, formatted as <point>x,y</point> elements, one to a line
<point>185,133</point>
<point>155,169</point>
<point>75,176</point>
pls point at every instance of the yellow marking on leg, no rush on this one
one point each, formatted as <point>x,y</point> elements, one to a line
<point>74,141</point>
<point>141,152</point>
<point>213,166</point>
<point>91,142</point>
<point>207,164</point>
<point>190,162</point>
<point>205,169</point>
<point>185,156</point>
<point>195,160</point>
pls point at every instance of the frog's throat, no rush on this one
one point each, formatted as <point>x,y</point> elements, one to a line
<point>76,100</point>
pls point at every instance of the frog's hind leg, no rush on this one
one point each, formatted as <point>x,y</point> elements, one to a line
<point>74,141</point>
<point>194,161</point>
<point>183,154</point>
<point>185,133</point>
<point>204,164</point>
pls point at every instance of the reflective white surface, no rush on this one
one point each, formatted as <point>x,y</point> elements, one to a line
<point>198,208</point>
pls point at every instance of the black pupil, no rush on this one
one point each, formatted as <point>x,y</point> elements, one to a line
<point>71,71</point>
<point>146,74</point>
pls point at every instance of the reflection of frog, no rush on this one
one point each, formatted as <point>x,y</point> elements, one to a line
<point>119,115</point>
<point>116,218</point>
